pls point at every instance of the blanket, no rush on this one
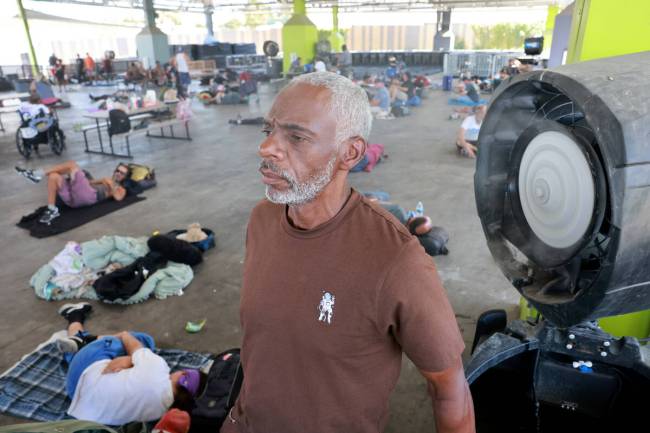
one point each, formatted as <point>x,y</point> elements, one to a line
<point>98,254</point>
<point>35,387</point>
<point>72,217</point>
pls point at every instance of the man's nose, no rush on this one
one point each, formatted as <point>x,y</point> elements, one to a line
<point>270,147</point>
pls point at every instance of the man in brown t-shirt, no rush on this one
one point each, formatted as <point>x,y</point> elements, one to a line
<point>334,287</point>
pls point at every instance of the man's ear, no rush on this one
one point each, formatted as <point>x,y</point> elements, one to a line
<point>352,151</point>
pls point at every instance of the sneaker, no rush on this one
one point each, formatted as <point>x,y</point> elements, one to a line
<point>69,344</point>
<point>82,308</point>
<point>48,216</point>
<point>34,176</point>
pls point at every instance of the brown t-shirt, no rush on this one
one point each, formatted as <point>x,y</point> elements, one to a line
<point>326,314</point>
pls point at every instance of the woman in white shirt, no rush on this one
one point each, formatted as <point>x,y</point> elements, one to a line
<point>118,379</point>
<point>467,137</point>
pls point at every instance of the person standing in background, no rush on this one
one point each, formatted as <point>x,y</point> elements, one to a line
<point>181,61</point>
<point>89,65</point>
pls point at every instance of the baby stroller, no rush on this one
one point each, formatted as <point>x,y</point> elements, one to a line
<point>40,128</point>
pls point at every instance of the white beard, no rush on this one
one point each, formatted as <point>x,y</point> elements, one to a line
<point>300,193</point>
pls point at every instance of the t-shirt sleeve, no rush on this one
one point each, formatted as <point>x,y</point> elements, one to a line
<point>148,363</point>
<point>467,123</point>
<point>412,305</point>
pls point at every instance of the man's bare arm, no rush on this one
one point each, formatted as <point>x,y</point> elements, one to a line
<point>131,344</point>
<point>452,401</point>
<point>119,192</point>
<point>118,364</point>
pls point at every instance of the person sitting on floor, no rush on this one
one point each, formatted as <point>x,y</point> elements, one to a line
<point>397,93</point>
<point>214,94</point>
<point>319,65</point>
<point>380,103</point>
<point>467,92</point>
<point>158,75</point>
<point>467,137</point>
<point>503,76</point>
<point>296,66</point>
<point>134,74</point>
<point>413,99</point>
<point>118,379</point>
<point>72,185</point>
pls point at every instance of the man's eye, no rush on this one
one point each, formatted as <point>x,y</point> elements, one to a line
<point>266,132</point>
<point>297,138</point>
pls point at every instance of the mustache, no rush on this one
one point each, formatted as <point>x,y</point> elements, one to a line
<point>268,165</point>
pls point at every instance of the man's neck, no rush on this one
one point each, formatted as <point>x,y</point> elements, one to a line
<point>325,207</point>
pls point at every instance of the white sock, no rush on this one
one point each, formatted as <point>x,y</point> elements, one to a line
<point>53,208</point>
<point>39,172</point>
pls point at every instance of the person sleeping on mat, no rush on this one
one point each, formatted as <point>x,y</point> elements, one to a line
<point>117,379</point>
<point>74,187</point>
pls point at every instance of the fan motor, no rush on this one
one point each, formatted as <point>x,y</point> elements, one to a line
<point>563,187</point>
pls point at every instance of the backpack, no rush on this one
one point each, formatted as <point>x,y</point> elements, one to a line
<point>141,172</point>
<point>142,178</point>
<point>219,395</point>
<point>119,122</point>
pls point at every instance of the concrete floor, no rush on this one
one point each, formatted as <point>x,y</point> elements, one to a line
<point>214,180</point>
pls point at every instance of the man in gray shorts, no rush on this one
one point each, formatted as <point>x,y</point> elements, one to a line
<point>71,184</point>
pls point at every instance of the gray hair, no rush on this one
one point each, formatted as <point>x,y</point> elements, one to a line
<point>348,103</point>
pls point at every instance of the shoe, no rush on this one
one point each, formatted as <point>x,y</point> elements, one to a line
<point>48,216</point>
<point>81,309</point>
<point>34,176</point>
<point>69,344</point>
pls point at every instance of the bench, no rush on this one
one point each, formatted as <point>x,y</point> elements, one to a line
<point>146,131</point>
<point>97,126</point>
<point>161,126</point>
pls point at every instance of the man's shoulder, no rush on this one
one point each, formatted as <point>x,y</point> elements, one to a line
<point>264,209</point>
<point>377,219</point>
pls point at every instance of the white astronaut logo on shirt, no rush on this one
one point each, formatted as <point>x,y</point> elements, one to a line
<point>326,308</point>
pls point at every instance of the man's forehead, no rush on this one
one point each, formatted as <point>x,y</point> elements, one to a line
<point>301,104</point>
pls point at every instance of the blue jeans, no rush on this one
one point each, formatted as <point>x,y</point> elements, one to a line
<point>185,78</point>
<point>414,101</point>
<point>466,101</point>
<point>98,350</point>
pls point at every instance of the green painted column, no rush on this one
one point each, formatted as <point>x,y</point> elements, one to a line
<point>299,36</point>
<point>552,12</point>
<point>608,28</point>
<point>605,29</point>
<point>336,38</point>
<point>32,54</point>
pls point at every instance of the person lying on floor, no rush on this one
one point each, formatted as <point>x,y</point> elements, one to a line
<point>71,184</point>
<point>118,379</point>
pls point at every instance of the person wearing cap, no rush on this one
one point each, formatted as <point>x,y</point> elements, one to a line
<point>117,379</point>
<point>393,70</point>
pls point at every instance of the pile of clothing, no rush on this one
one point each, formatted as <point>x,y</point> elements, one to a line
<point>124,270</point>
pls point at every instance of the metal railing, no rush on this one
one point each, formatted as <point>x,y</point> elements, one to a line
<point>476,63</point>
